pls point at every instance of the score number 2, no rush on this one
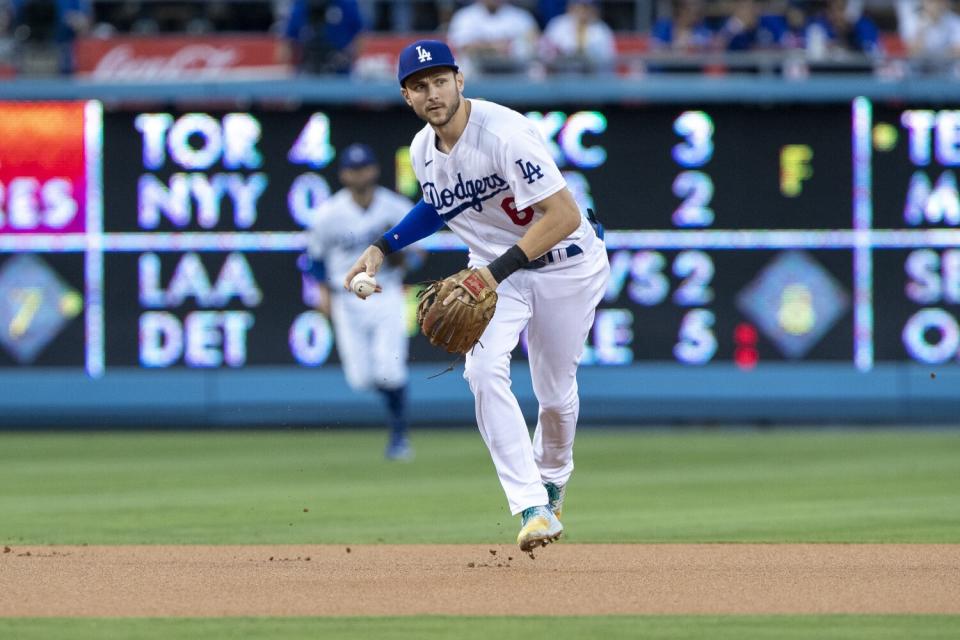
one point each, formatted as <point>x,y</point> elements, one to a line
<point>648,285</point>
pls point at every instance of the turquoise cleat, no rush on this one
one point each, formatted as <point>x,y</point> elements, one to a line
<point>538,528</point>
<point>556,494</point>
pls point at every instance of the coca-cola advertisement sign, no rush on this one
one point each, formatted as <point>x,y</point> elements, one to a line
<point>180,57</point>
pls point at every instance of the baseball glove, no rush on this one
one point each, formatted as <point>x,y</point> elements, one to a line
<point>456,327</point>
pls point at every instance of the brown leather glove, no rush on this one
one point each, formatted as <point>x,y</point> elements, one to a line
<point>457,326</point>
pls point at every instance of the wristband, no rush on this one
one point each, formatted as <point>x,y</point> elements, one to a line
<point>383,245</point>
<point>512,259</point>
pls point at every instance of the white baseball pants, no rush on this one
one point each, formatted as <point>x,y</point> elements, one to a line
<point>371,338</point>
<point>557,308</point>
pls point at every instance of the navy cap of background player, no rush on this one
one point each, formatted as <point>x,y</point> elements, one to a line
<point>357,155</point>
<point>424,54</point>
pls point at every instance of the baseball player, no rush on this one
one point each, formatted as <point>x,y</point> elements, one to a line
<point>370,334</point>
<point>486,172</point>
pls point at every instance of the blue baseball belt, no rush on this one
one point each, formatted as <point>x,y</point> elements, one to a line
<point>564,253</point>
<point>554,255</point>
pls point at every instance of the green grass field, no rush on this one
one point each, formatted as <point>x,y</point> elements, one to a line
<point>429,627</point>
<point>334,487</point>
<point>630,486</point>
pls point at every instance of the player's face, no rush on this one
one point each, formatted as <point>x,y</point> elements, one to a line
<point>434,94</point>
<point>360,178</point>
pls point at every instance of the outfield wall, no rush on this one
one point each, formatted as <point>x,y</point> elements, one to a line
<point>657,394</point>
<point>783,251</point>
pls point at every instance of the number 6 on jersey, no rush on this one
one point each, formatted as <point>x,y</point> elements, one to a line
<point>520,217</point>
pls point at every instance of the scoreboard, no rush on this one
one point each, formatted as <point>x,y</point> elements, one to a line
<point>738,234</point>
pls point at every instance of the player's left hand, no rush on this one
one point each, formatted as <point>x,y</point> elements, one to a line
<point>457,326</point>
<point>484,273</point>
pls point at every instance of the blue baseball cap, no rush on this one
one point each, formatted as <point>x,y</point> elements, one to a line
<point>357,155</point>
<point>424,54</point>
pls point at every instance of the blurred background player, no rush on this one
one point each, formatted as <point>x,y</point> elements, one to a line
<point>371,334</point>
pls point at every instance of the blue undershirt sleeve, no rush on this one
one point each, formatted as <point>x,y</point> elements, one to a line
<point>421,221</point>
<point>316,269</point>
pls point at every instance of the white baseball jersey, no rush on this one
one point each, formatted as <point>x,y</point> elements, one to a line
<point>371,334</point>
<point>484,189</point>
<point>485,186</point>
<point>342,230</point>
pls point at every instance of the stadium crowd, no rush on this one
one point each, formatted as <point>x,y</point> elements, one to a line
<point>506,36</point>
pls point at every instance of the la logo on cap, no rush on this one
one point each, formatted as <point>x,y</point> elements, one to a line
<point>423,55</point>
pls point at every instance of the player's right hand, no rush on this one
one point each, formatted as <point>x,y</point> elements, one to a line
<point>369,261</point>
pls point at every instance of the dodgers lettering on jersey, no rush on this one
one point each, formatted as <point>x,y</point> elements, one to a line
<point>470,193</point>
<point>342,230</point>
<point>485,187</point>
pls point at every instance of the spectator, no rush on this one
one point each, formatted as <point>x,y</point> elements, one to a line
<point>220,16</point>
<point>687,30</point>
<point>841,32</point>
<point>547,10</point>
<point>73,18</point>
<point>748,28</point>
<point>8,43</point>
<point>908,15</point>
<point>579,39</point>
<point>198,22</point>
<point>117,17</point>
<point>929,28</point>
<point>492,36</point>
<point>170,17</point>
<point>321,36</point>
<point>796,21</point>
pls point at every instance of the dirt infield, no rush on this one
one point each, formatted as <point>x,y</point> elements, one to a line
<point>569,579</point>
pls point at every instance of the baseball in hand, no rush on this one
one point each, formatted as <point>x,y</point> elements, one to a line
<point>363,285</point>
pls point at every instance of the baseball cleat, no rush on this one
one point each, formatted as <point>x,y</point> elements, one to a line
<point>538,528</point>
<point>399,450</point>
<point>555,494</point>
